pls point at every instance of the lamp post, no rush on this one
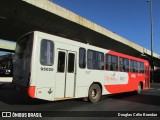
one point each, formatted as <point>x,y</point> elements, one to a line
<point>151,25</point>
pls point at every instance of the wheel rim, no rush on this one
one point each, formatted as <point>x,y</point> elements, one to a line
<point>94,93</point>
<point>139,88</point>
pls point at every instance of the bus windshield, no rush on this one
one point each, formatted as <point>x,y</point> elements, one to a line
<point>22,60</point>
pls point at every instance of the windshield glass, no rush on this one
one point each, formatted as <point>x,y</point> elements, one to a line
<point>22,60</point>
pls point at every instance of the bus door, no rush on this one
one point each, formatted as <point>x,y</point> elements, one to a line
<point>147,77</point>
<point>65,76</point>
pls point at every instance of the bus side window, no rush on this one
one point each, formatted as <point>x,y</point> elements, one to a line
<point>114,63</point>
<point>111,62</point>
<point>47,52</point>
<point>135,67</point>
<point>91,57</point>
<point>126,65</point>
<point>141,68</point>
<point>131,66</point>
<point>82,58</point>
<point>95,60</point>
<point>108,62</point>
<point>138,64</point>
<point>100,57</point>
<point>121,68</point>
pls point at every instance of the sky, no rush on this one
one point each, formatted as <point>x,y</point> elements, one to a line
<point>127,18</point>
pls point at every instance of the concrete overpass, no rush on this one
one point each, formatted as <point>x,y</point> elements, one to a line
<point>20,16</point>
<point>7,46</point>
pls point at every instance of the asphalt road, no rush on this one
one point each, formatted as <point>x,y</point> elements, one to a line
<point>149,100</point>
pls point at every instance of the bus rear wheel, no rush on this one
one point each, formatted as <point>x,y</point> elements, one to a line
<point>95,93</point>
<point>139,89</point>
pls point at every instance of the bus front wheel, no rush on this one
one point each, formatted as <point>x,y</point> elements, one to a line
<point>95,93</point>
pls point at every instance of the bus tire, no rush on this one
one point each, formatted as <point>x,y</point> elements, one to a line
<point>139,89</point>
<point>95,93</point>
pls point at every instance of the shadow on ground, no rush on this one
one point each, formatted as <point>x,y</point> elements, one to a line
<point>10,96</point>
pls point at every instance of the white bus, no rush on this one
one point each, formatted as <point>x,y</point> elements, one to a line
<point>55,68</point>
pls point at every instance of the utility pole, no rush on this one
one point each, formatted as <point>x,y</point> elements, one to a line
<point>151,28</point>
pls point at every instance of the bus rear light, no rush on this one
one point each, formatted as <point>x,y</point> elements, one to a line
<point>31,91</point>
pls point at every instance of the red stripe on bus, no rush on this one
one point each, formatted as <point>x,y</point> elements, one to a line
<point>130,86</point>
